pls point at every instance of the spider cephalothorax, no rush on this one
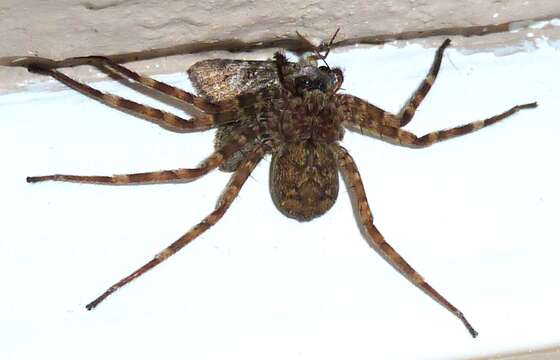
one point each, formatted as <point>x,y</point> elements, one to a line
<point>303,171</point>
<point>291,110</point>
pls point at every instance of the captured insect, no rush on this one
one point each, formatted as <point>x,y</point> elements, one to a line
<point>290,110</point>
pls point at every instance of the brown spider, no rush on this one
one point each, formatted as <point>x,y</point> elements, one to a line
<point>289,110</point>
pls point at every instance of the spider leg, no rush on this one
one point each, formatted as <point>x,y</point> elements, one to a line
<point>105,63</point>
<point>245,100</point>
<point>361,108</point>
<point>157,177</point>
<point>406,138</point>
<point>164,119</point>
<point>363,113</point>
<point>409,109</point>
<point>281,61</point>
<point>230,193</point>
<point>375,239</point>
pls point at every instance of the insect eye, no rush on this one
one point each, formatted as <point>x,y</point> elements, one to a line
<point>324,68</point>
<point>303,83</point>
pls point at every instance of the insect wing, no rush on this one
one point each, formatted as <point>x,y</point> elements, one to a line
<point>222,79</point>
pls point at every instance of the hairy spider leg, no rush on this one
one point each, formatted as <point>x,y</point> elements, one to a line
<point>104,63</point>
<point>228,196</point>
<point>356,189</point>
<point>409,109</point>
<point>361,108</point>
<point>406,138</point>
<point>217,158</point>
<point>240,101</point>
<point>164,119</point>
<point>281,61</point>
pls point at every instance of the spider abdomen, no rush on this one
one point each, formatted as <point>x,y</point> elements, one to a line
<point>304,179</point>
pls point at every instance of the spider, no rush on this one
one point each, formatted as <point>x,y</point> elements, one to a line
<point>290,110</point>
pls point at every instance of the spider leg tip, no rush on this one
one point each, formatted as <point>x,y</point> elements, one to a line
<point>528,106</point>
<point>34,179</point>
<point>36,69</point>
<point>467,324</point>
<point>474,333</point>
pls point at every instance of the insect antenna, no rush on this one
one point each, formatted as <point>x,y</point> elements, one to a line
<point>317,49</point>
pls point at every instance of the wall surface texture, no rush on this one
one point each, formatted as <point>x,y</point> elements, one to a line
<point>147,29</point>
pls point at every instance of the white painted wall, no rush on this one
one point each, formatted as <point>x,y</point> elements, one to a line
<point>476,216</point>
